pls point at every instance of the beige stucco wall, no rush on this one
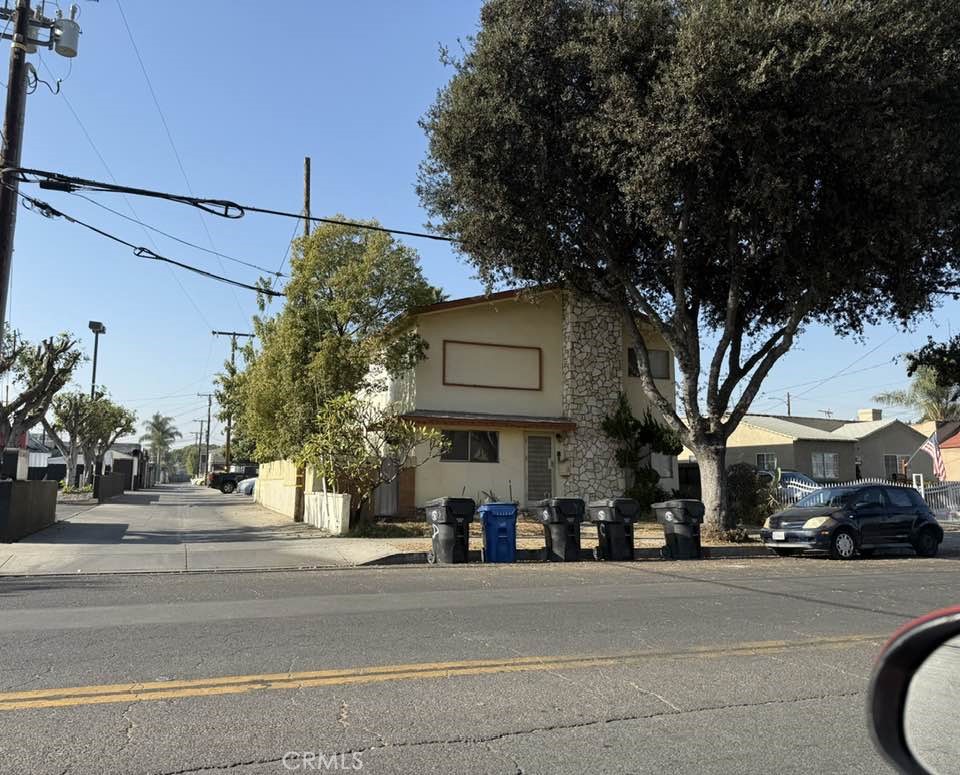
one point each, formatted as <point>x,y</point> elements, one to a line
<point>895,439</point>
<point>746,442</point>
<point>277,487</point>
<point>507,479</point>
<point>530,322</point>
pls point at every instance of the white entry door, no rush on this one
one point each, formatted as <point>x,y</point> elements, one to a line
<point>539,468</point>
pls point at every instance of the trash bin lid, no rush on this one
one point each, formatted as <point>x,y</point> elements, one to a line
<point>682,510</point>
<point>562,509</point>
<point>498,509</point>
<point>614,510</point>
<point>446,510</point>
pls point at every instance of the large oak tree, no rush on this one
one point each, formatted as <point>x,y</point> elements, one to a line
<point>728,172</point>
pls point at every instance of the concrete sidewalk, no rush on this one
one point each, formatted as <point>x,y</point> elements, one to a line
<point>178,528</point>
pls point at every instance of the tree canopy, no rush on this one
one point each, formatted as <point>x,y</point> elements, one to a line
<point>160,433</point>
<point>942,360</point>
<point>348,291</point>
<point>728,172</point>
<point>932,400</point>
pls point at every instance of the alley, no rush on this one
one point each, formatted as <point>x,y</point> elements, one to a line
<point>179,528</point>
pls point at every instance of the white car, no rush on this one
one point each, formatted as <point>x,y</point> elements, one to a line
<point>246,486</point>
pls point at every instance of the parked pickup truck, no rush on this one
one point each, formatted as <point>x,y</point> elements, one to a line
<point>226,481</point>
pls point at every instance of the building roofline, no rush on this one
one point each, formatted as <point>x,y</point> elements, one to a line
<point>513,294</point>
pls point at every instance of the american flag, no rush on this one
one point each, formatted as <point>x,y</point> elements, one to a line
<point>932,447</point>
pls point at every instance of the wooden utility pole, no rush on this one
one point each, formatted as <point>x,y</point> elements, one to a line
<point>788,406</point>
<point>233,355</point>
<point>199,435</point>
<point>209,397</point>
<point>306,196</point>
<point>12,144</point>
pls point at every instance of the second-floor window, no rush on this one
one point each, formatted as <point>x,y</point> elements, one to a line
<point>659,363</point>
<point>472,446</point>
<point>826,465</point>
<point>766,461</point>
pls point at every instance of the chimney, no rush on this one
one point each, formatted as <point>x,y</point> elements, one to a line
<point>869,415</point>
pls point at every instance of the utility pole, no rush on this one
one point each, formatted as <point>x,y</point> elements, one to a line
<point>199,436</point>
<point>63,36</point>
<point>789,414</point>
<point>209,397</point>
<point>306,196</point>
<point>233,353</point>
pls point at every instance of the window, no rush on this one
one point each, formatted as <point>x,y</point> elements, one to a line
<point>766,461</point>
<point>872,496</point>
<point>472,446</point>
<point>900,497</point>
<point>826,465</point>
<point>659,363</point>
<point>895,465</point>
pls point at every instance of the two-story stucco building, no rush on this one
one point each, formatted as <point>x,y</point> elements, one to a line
<point>520,382</point>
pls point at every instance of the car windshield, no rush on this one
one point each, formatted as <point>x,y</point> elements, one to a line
<point>828,496</point>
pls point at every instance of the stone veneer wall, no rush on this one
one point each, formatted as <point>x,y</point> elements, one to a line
<point>593,359</point>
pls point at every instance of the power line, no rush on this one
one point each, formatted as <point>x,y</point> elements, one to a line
<point>773,391</point>
<point>126,199</point>
<point>49,211</point>
<point>173,146</point>
<point>180,240</point>
<point>852,363</point>
<point>225,208</point>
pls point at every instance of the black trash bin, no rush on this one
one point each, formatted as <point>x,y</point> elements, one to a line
<point>614,518</point>
<point>450,520</point>
<point>561,519</point>
<point>681,520</point>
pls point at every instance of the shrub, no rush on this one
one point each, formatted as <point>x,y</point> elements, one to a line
<point>749,502</point>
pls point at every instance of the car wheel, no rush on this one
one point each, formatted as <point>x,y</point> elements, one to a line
<point>843,546</point>
<point>786,552</point>
<point>228,487</point>
<point>926,543</point>
<point>867,552</point>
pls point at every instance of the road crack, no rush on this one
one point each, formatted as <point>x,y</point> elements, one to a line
<point>486,740</point>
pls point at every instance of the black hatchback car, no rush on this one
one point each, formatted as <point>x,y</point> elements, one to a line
<point>846,520</point>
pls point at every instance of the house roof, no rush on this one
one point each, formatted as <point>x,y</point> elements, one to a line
<point>444,418</point>
<point>784,426</point>
<point>850,430</point>
<point>860,430</point>
<point>469,301</point>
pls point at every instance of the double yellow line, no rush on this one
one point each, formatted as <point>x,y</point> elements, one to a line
<point>243,684</point>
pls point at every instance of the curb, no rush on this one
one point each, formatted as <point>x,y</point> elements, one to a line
<point>586,555</point>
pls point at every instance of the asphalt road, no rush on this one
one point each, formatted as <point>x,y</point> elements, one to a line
<point>712,667</point>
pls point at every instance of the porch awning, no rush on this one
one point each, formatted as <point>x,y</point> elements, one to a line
<point>442,418</point>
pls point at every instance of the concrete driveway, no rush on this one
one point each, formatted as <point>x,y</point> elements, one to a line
<point>180,528</point>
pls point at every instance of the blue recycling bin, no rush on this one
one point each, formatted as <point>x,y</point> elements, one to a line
<point>499,523</point>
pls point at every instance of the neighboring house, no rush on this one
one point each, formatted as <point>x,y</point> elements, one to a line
<point>829,450</point>
<point>38,455</point>
<point>948,435</point>
<point>125,458</point>
<point>520,382</point>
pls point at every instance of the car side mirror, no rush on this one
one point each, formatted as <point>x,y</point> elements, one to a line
<point>911,703</point>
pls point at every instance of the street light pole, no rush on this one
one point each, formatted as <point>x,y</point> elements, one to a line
<point>98,328</point>
<point>62,36</point>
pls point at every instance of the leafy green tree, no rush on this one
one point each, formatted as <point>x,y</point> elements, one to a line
<point>358,446</point>
<point>931,399</point>
<point>71,412</point>
<point>160,435</point>
<point>348,290</point>
<point>38,373</point>
<point>106,422</point>
<point>727,173</point>
<point>943,360</point>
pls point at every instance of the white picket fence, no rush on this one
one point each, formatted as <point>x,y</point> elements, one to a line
<point>942,498</point>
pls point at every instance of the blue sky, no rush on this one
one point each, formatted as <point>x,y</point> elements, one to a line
<point>343,83</point>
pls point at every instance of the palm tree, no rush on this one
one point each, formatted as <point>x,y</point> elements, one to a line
<point>933,401</point>
<point>160,434</point>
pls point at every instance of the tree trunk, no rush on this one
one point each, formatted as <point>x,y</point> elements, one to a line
<point>713,486</point>
<point>71,461</point>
